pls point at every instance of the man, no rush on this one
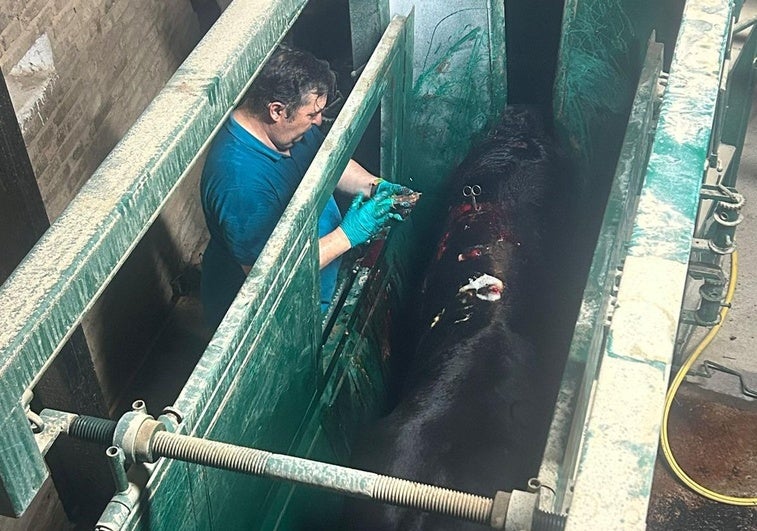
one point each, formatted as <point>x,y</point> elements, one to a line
<point>253,168</point>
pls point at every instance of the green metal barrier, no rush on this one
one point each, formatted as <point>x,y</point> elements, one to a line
<point>259,381</point>
<point>269,377</point>
<point>627,352</point>
<point>563,446</point>
<point>57,282</point>
<point>275,348</point>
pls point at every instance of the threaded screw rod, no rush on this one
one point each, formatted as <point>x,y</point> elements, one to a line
<point>548,521</point>
<point>93,429</point>
<point>335,478</point>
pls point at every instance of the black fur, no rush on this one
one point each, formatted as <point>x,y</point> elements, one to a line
<point>475,408</point>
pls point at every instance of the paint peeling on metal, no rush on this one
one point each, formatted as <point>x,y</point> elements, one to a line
<point>323,474</point>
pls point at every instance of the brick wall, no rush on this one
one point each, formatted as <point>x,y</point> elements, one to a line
<point>111,57</point>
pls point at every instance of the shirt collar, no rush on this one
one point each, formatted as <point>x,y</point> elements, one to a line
<point>249,140</point>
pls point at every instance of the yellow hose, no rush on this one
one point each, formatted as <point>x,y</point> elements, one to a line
<point>677,470</point>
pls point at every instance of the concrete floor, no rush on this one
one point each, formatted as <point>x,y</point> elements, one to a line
<point>713,422</point>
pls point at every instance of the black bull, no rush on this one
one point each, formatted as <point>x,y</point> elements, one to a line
<point>476,401</point>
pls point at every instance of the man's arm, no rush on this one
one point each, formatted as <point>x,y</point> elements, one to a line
<point>332,246</point>
<point>363,220</point>
<point>356,180</point>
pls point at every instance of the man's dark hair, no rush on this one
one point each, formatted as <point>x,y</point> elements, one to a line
<point>288,77</point>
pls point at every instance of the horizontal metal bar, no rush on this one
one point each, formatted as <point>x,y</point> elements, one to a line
<point>335,478</point>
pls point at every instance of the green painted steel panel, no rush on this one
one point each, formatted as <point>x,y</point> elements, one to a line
<point>601,53</point>
<point>620,440</point>
<point>459,82</point>
<point>259,383</point>
<point>587,346</point>
<point>593,82</point>
<point>60,278</point>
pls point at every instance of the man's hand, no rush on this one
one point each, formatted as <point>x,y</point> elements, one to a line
<point>403,198</point>
<point>381,185</point>
<point>365,219</point>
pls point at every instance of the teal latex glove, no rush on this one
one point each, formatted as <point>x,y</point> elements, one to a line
<point>365,219</point>
<point>391,188</point>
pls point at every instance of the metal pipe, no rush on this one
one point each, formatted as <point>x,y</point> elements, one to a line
<point>147,441</point>
<point>117,462</point>
<point>118,509</point>
<point>744,25</point>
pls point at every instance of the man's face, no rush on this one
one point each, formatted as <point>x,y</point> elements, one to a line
<point>290,128</point>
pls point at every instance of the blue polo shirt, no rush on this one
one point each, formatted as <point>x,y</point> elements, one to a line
<point>244,189</point>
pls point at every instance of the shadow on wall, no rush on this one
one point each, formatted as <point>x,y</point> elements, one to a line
<point>169,33</point>
<point>207,11</point>
<point>137,311</point>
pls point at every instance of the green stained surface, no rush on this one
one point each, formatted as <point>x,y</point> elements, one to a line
<point>266,380</point>
<point>593,83</point>
<point>619,210</point>
<point>670,198</point>
<point>261,381</point>
<point>602,50</point>
<point>621,429</point>
<point>587,346</point>
<point>312,401</point>
<point>58,280</point>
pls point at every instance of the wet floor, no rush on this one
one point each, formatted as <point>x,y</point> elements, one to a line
<point>714,439</point>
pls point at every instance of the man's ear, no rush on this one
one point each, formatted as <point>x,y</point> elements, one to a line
<point>277,111</point>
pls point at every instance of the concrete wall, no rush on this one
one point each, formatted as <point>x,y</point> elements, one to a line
<point>95,65</point>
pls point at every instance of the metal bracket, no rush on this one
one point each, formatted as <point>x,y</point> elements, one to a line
<point>134,433</point>
<point>707,372</point>
<point>55,423</point>
<point>612,302</point>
